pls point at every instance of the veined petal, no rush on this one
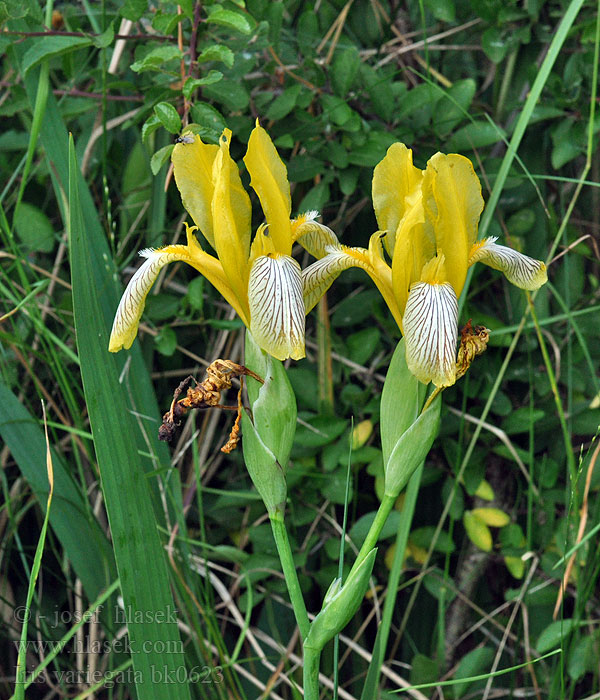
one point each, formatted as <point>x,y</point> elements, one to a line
<point>231,219</point>
<point>192,167</point>
<point>277,306</point>
<point>394,178</point>
<point>269,179</point>
<point>315,238</point>
<point>320,275</point>
<point>430,332</point>
<point>453,204</point>
<point>132,302</point>
<point>524,272</point>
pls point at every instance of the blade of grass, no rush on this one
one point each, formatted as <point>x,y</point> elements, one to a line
<point>534,94</point>
<point>60,645</point>
<point>37,561</point>
<point>521,124</point>
<point>482,677</point>
<point>41,97</point>
<point>71,519</point>
<point>138,551</point>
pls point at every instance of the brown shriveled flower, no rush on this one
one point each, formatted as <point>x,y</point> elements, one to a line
<point>473,342</point>
<point>207,394</point>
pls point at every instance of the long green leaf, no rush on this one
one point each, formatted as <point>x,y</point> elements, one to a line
<point>35,570</point>
<point>138,550</point>
<point>140,393</point>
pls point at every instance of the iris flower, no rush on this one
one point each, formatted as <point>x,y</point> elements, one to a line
<point>428,224</point>
<point>258,278</point>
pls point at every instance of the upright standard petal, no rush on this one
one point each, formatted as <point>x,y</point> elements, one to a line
<point>430,332</point>
<point>412,249</point>
<point>394,178</point>
<point>193,167</point>
<point>524,272</point>
<point>231,220</point>
<point>277,306</point>
<point>132,302</point>
<point>453,203</point>
<point>269,179</point>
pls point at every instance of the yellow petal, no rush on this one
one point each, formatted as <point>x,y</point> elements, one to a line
<point>394,178</point>
<point>430,332</point>
<point>231,213</point>
<point>132,302</point>
<point>211,268</point>
<point>524,272</point>
<point>277,307</point>
<point>318,277</point>
<point>453,205</point>
<point>412,248</point>
<point>381,273</point>
<point>309,217</point>
<point>317,239</point>
<point>269,180</point>
<point>192,167</point>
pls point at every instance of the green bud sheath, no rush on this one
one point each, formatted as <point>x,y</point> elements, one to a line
<point>406,436</point>
<point>341,605</point>
<point>268,436</point>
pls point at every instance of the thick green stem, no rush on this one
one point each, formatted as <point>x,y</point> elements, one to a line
<point>385,507</point>
<point>311,661</point>
<point>289,571</point>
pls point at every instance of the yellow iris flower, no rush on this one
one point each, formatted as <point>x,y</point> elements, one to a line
<point>259,279</point>
<point>428,223</point>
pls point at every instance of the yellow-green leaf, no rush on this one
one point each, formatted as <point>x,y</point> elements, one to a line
<point>492,516</point>
<point>515,565</point>
<point>477,531</point>
<point>361,433</point>
<point>485,491</point>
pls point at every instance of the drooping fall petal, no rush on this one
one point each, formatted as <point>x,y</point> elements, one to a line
<point>315,238</point>
<point>524,272</point>
<point>318,277</point>
<point>277,306</point>
<point>430,331</point>
<point>131,306</point>
<point>132,302</point>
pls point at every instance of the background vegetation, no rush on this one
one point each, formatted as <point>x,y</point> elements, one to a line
<point>335,84</point>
